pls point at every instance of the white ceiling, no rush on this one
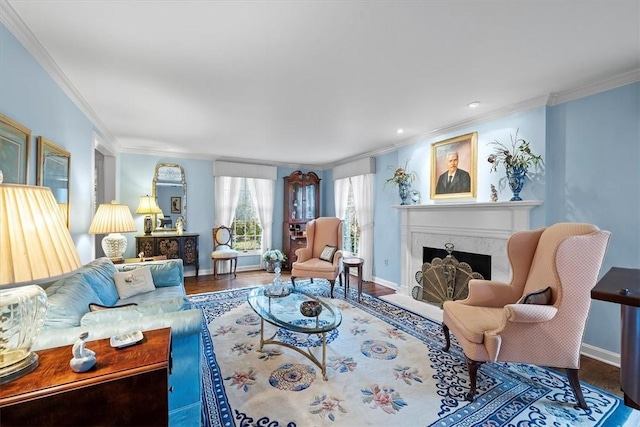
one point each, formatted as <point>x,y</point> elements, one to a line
<point>317,82</point>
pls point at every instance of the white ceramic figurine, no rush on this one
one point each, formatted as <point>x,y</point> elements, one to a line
<point>83,358</point>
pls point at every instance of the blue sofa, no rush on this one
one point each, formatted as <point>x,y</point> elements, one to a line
<point>68,315</point>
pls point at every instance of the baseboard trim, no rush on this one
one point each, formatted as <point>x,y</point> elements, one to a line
<point>600,354</point>
<point>385,283</point>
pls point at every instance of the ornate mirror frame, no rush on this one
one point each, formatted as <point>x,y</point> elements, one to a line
<point>53,171</point>
<point>176,204</point>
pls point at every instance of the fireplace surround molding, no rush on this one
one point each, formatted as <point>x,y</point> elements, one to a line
<point>482,228</point>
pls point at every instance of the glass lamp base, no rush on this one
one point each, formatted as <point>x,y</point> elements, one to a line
<point>16,370</point>
<point>22,311</point>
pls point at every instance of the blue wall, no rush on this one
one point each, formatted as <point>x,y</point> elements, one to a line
<point>29,96</point>
<point>594,176</point>
<point>591,147</point>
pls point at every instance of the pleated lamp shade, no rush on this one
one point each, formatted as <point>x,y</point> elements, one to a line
<point>35,247</point>
<point>113,219</point>
<point>35,243</point>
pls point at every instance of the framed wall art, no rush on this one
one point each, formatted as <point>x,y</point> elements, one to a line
<point>453,167</point>
<point>15,140</point>
<point>176,205</point>
<point>54,165</point>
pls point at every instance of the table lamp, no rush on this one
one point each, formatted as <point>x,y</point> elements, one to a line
<point>148,207</point>
<point>113,218</point>
<point>35,247</point>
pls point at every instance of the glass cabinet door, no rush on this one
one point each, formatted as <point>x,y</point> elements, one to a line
<point>310,199</point>
<point>297,202</point>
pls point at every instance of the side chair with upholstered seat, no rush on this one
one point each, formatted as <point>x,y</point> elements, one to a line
<point>222,250</point>
<point>538,318</point>
<point>321,258</point>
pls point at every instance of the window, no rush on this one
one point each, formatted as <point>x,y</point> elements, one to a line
<point>350,230</point>
<point>247,232</point>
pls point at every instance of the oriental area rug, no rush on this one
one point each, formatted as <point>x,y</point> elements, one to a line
<point>385,367</point>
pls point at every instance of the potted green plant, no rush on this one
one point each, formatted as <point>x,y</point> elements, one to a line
<point>273,258</point>
<point>517,159</point>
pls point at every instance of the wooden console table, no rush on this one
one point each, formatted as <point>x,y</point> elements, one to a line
<point>127,386</point>
<point>171,245</point>
<point>622,286</point>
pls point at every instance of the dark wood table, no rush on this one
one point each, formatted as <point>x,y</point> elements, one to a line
<point>348,263</point>
<point>127,386</point>
<point>622,286</point>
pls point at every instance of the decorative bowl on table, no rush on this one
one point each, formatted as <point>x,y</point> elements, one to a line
<point>310,308</point>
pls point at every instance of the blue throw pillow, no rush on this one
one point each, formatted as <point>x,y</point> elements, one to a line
<point>67,301</point>
<point>99,274</point>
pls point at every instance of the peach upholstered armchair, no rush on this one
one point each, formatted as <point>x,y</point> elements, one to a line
<point>321,257</point>
<point>522,321</point>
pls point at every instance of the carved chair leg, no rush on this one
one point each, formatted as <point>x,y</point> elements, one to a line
<point>293,281</point>
<point>447,337</point>
<point>215,269</point>
<point>235,266</point>
<point>574,380</point>
<point>333,283</point>
<point>472,366</point>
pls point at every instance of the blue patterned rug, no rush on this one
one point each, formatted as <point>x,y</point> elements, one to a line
<point>385,367</point>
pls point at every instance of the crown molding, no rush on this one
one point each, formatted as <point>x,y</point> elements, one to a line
<point>203,156</point>
<point>629,77</point>
<point>14,23</point>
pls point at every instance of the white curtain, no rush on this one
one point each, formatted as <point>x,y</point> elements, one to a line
<point>363,204</point>
<point>262,193</point>
<point>227,193</point>
<point>341,197</point>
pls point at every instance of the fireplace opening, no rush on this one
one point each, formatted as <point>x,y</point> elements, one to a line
<point>478,262</point>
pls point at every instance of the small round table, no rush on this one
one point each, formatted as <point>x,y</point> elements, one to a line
<point>352,262</point>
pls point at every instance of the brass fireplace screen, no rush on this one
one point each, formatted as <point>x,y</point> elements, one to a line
<point>443,279</point>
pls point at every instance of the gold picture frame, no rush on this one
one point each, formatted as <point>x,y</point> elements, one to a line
<point>54,166</point>
<point>15,142</point>
<point>463,182</point>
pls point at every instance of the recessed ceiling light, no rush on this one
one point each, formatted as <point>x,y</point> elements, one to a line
<point>400,131</point>
<point>474,104</point>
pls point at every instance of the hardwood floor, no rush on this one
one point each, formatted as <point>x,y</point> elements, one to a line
<point>592,371</point>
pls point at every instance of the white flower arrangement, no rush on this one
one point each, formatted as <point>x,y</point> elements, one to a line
<point>273,255</point>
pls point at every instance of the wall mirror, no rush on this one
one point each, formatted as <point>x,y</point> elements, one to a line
<point>54,164</point>
<point>169,187</point>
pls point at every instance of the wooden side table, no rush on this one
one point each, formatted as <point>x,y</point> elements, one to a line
<point>348,263</point>
<point>127,386</point>
<point>622,286</point>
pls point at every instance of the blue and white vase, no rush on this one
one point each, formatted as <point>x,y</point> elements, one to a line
<point>515,176</point>
<point>403,190</point>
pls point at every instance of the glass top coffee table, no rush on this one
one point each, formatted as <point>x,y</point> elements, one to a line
<point>285,312</point>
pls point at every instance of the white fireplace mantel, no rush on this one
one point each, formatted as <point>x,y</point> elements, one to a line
<point>482,228</point>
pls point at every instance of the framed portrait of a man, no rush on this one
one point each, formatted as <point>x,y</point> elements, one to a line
<point>453,167</point>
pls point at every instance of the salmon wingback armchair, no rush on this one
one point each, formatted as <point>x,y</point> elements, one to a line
<point>321,232</point>
<point>523,321</point>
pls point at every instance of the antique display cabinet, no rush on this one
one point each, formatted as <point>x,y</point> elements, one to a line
<point>301,205</point>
